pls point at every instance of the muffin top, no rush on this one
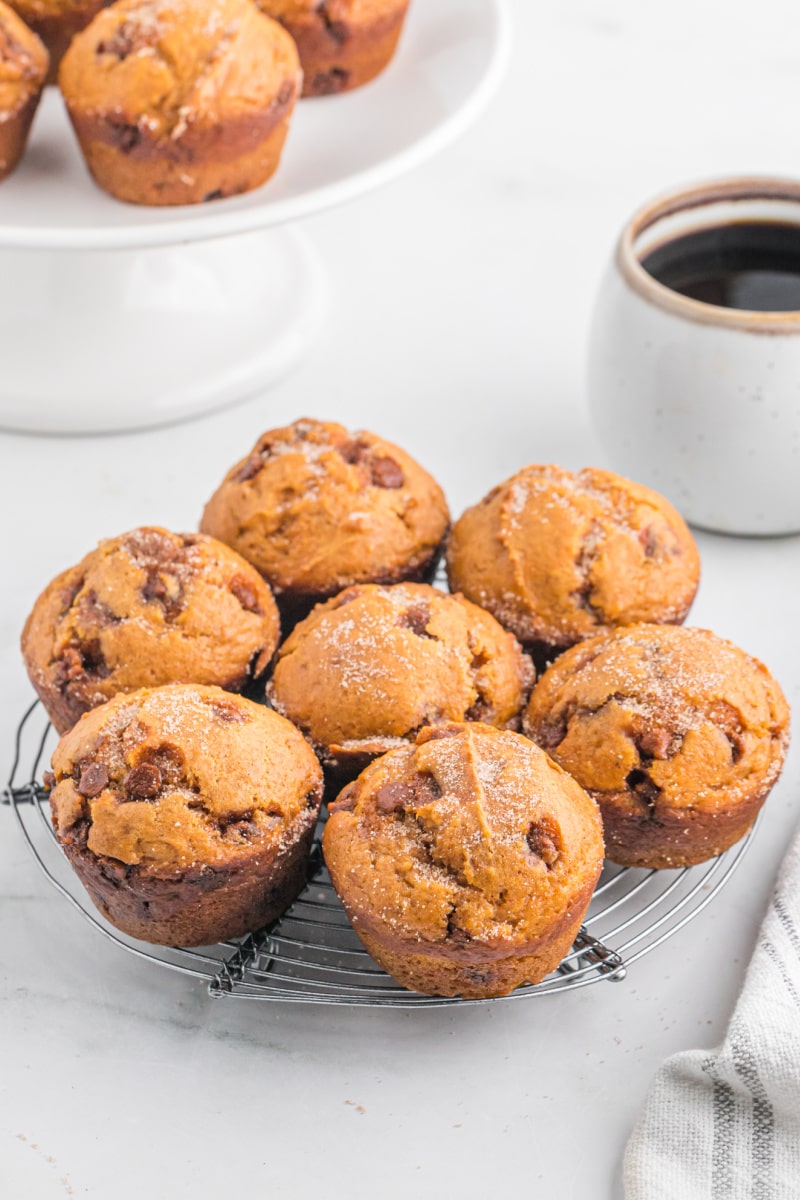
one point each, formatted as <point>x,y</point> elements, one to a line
<point>374,664</point>
<point>173,68</point>
<point>147,608</point>
<point>316,508</point>
<point>182,778</point>
<point>558,556</point>
<point>469,837</point>
<point>23,63</point>
<point>656,716</point>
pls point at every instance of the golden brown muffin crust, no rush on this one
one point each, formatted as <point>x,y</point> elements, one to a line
<point>147,608</point>
<point>678,734</point>
<point>469,849</point>
<point>187,86</point>
<point>374,664</point>
<point>166,797</point>
<point>23,62</point>
<point>558,556</point>
<point>342,43</point>
<point>23,67</point>
<point>56,22</point>
<point>315,508</point>
<point>168,779</point>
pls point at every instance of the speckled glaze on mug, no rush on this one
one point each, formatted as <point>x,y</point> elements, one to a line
<point>698,401</point>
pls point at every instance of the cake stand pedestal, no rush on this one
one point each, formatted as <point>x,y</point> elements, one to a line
<point>115,317</point>
<point>100,340</point>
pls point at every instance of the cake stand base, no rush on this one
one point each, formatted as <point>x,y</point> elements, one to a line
<point>108,340</point>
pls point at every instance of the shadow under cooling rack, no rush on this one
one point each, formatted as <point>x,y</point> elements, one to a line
<point>311,955</point>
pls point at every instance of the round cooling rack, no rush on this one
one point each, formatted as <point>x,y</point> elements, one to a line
<point>311,955</point>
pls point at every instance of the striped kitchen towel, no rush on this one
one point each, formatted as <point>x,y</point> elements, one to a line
<point>725,1124</point>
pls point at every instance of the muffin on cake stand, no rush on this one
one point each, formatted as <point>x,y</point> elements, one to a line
<point>117,317</point>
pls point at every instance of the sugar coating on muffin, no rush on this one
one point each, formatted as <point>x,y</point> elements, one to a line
<point>557,556</point>
<point>373,665</point>
<point>181,101</point>
<point>147,608</point>
<point>316,508</point>
<point>187,812</point>
<point>342,43</point>
<point>465,861</point>
<point>23,67</point>
<point>56,22</point>
<point>676,733</point>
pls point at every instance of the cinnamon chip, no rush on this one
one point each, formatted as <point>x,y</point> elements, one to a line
<point>245,593</point>
<point>143,782</point>
<point>542,843</point>
<point>94,778</point>
<point>394,796</point>
<point>386,473</point>
<point>655,743</point>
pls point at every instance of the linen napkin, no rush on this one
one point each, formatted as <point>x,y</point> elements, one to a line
<point>725,1124</point>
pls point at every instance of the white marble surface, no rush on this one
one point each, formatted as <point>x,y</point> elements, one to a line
<point>462,297</point>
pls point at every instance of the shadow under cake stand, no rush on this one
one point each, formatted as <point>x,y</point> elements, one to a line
<point>118,317</point>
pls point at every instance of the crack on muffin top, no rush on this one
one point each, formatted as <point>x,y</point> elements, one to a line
<point>641,785</point>
<point>451,839</point>
<point>590,551</point>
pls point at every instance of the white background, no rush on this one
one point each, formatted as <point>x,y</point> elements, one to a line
<point>458,328</point>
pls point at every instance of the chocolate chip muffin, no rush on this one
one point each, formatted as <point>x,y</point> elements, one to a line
<point>56,22</point>
<point>316,508</point>
<point>466,861</point>
<point>342,43</point>
<point>179,101</point>
<point>369,668</point>
<point>558,557</point>
<point>677,734</point>
<point>147,608</point>
<point>23,67</point>
<point>187,813</point>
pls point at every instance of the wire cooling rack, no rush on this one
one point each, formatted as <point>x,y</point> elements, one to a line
<point>311,955</point>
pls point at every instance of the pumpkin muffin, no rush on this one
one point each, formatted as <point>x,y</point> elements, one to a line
<point>315,508</point>
<point>187,813</point>
<point>369,668</point>
<point>56,22</point>
<point>558,557</point>
<point>465,862</point>
<point>23,67</point>
<point>677,734</point>
<point>179,101</point>
<point>147,608</point>
<point>342,43</point>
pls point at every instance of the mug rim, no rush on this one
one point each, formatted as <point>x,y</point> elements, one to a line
<point>683,199</point>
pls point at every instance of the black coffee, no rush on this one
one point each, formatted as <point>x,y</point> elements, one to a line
<point>753,265</point>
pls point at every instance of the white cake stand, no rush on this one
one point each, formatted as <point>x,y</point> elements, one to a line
<point>117,317</point>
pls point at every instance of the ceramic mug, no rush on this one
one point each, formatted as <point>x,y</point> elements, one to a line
<point>699,401</point>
